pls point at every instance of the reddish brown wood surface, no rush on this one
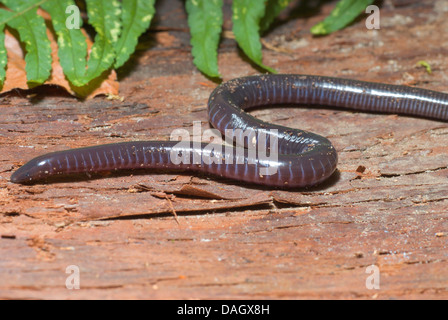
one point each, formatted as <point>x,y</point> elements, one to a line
<point>387,206</point>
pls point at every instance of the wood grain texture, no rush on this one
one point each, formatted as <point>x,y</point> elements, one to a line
<point>387,206</point>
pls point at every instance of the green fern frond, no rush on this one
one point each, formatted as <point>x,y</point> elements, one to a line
<point>246,18</point>
<point>136,18</point>
<point>104,16</point>
<point>205,21</point>
<point>32,30</point>
<point>72,45</point>
<point>273,9</point>
<point>4,16</point>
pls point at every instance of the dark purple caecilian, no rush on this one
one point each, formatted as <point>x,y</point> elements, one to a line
<point>303,158</point>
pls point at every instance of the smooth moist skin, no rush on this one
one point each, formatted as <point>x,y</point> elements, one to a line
<point>296,158</point>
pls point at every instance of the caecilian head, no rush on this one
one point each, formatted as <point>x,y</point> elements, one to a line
<point>36,169</point>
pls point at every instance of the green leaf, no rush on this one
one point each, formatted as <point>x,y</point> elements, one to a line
<point>32,30</point>
<point>273,9</point>
<point>136,18</point>
<point>343,14</point>
<point>4,15</point>
<point>104,15</point>
<point>426,65</point>
<point>205,21</point>
<point>246,19</point>
<point>72,45</point>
